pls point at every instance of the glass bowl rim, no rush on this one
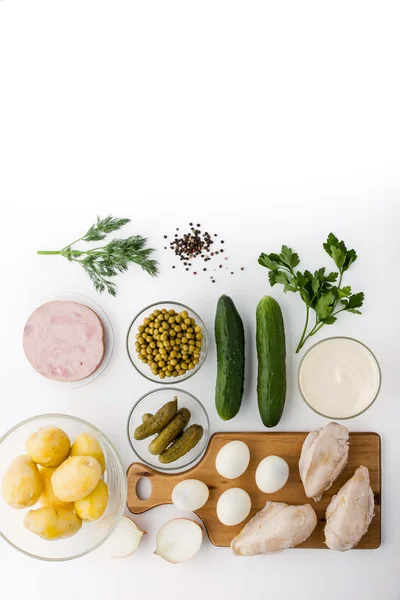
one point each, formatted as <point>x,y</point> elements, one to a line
<point>205,337</point>
<point>162,468</point>
<point>124,484</point>
<point>339,337</point>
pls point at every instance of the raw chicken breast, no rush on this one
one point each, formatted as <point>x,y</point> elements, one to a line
<point>323,458</point>
<point>276,527</point>
<point>350,512</point>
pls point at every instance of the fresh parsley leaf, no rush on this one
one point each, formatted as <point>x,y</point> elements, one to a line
<point>332,277</point>
<point>329,320</point>
<point>344,292</point>
<point>289,287</point>
<point>333,242</point>
<point>316,284</point>
<point>282,277</point>
<point>266,261</point>
<point>289,258</point>
<point>325,305</point>
<point>272,278</point>
<point>351,257</point>
<point>337,250</point>
<point>355,301</point>
<point>319,291</point>
<point>338,256</point>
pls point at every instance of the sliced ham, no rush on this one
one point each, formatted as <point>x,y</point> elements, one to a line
<point>64,341</point>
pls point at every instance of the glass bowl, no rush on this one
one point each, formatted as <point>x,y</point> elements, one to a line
<point>91,535</point>
<point>143,368</point>
<point>373,360</point>
<point>108,340</point>
<point>151,403</point>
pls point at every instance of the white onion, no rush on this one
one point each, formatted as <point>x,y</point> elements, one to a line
<point>124,541</point>
<point>190,494</point>
<point>179,540</point>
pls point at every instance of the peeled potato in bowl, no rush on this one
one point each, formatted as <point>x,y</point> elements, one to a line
<point>93,506</point>
<point>48,447</point>
<point>76,478</point>
<point>48,497</point>
<point>87,445</point>
<point>52,523</point>
<point>22,484</point>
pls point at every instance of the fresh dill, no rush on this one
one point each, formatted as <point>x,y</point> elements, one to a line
<point>108,261</point>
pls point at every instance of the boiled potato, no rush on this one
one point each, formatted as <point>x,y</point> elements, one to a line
<point>48,447</point>
<point>76,478</point>
<point>22,483</point>
<point>87,445</point>
<point>48,497</point>
<point>52,523</point>
<point>93,506</point>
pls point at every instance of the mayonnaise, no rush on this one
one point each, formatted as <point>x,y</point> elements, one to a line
<point>339,377</point>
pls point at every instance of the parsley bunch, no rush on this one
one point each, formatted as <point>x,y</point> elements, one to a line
<point>113,258</point>
<point>320,291</point>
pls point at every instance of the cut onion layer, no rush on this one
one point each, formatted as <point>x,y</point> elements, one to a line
<point>190,494</point>
<point>179,540</point>
<point>125,540</point>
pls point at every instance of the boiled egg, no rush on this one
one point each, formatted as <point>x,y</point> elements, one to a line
<point>233,459</point>
<point>272,473</point>
<point>233,506</point>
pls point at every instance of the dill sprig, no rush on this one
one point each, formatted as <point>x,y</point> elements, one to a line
<point>108,261</point>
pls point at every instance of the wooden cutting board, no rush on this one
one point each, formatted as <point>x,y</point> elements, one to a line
<point>364,450</point>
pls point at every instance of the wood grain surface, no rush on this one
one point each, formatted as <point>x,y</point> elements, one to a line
<point>364,450</point>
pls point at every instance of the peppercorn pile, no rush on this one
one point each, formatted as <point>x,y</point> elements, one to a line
<point>197,244</point>
<point>169,342</point>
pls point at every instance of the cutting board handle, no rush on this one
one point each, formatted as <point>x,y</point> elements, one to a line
<point>161,488</point>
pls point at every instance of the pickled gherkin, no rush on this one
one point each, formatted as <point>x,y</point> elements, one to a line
<point>158,421</point>
<point>170,431</point>
<point>186,442</point>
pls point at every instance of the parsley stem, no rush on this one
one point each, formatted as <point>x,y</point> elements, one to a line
<point>49,252</point>
<point>303,339</point>
<point>316,328</point>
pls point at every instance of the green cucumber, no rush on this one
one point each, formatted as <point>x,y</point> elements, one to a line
<point>271,353</point>
<point>229,338</point>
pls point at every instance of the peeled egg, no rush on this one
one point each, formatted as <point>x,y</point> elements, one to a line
<point>272,473</point>
<point>233,506</point>
<point>233,459</point>
<point>190,494</point>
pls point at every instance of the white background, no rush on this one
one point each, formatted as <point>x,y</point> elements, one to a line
<point>267,122</point>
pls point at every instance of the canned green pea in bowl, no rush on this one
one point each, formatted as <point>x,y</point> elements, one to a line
<point>167,342</point>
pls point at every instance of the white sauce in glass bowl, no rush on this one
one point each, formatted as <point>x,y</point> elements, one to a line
<point>339,377</point>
